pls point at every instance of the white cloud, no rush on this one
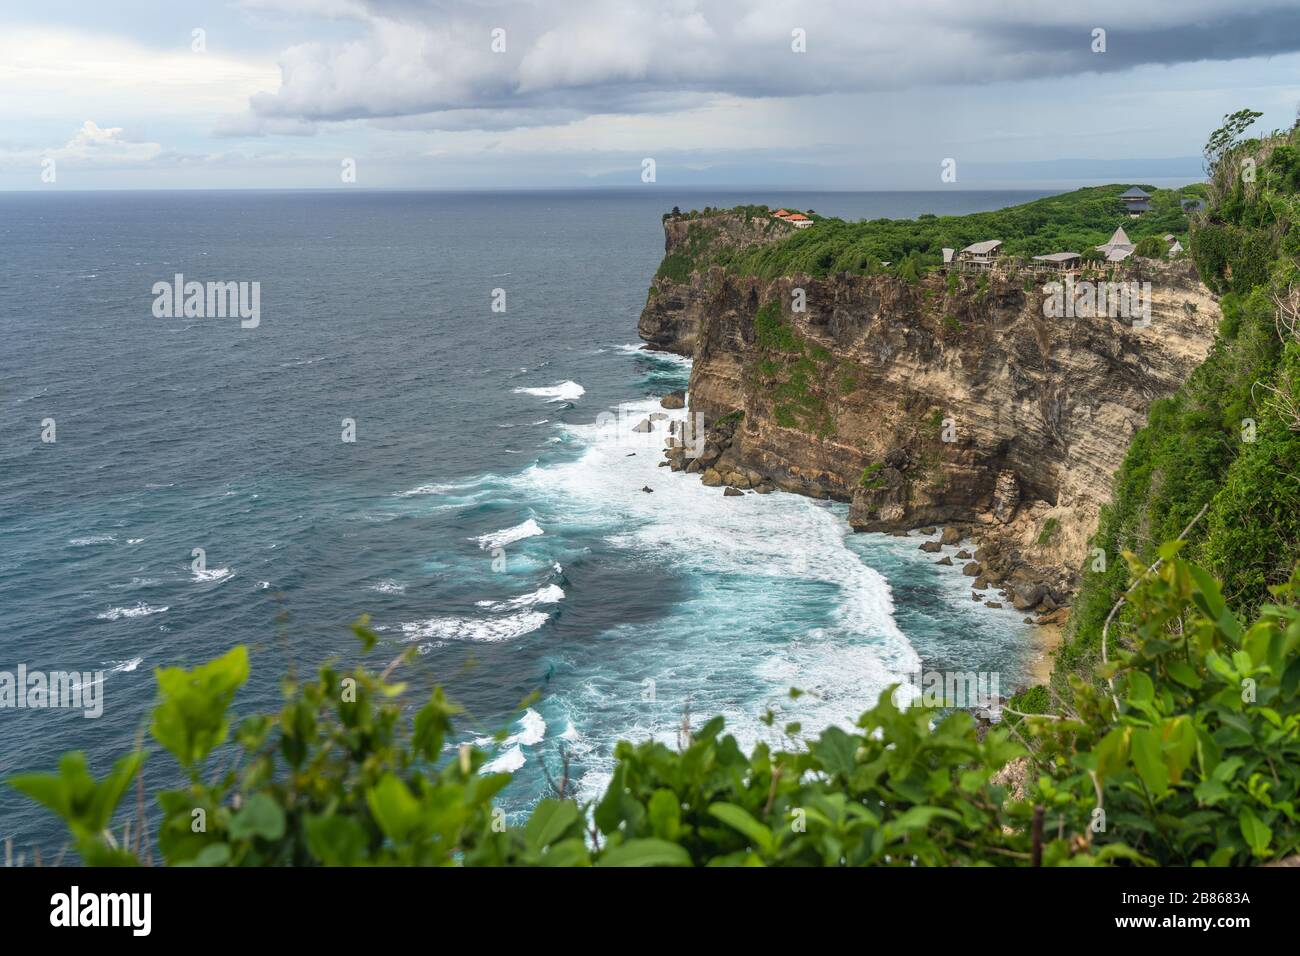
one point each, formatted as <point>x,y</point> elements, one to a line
<point>91,146</point>
<point>46,71</point>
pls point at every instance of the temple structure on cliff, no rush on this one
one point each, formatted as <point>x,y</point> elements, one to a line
<point>1118,247</point>
<point>1136,201</point>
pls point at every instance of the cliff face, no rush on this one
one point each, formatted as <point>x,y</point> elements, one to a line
<point>951,400</point>
<point>671,319</point>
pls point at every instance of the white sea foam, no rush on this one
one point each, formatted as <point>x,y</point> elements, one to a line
<point>488,629</point>
<point>566,391</point>
<point>722,544</point>
<point>440,488</point>
<point>135,583</point>
<point>531,732</point>
<point>668,358</point>
<point>136,610</point>
<point>90,540</point>
<point>499,539</point>
<point>388,587</point>
<point>508,762</point>
<point>547,594</point>
<point>124,667</point>
<point>211,574</point>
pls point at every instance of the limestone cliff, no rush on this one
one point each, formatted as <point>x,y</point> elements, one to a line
<point>954,399</point>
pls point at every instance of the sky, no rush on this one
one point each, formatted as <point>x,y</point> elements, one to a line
<point>826,94</point>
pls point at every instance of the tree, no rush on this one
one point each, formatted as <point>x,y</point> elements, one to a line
<point>1225,137</point>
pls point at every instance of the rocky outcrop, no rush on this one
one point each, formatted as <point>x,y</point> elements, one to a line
<point>672,317</point>
<point>955,399</point>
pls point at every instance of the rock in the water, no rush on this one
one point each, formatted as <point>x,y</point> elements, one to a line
<point>981,583</point>
<point>928,530</point>
<point>644,425</point>
<point>976,597</point>
<point>665,464</point>
<point>993,604</point>
<point>945,560</point>
<point>711,478</point>
<point>950,536</point>
<point>732,492</point>
<point>1029,620</point>
<point>963,555</point>
<point>658,417</point>
<point>971,570</point>
<point>646,488</point>
<point>674,400</point>
<point>763,488</point>
<point>930,546</point>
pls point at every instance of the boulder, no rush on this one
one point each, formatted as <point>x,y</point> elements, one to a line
<point>674,400</point>
<point>1059,616</point>
<point>981,583</point>
<point>646,488</point>
<point>945,560</point>
<point>658,417</point>
<point>732,492</point>
<point>950,536</point>
<point>993,604</point>
<point>1025,597</point>
<point>928,530</point>
<point>764,488</point>
<point>930,547</point>
<point>712,479</point>
<point>971,570</point>
<point>963,555</point>
<point>644,425</point>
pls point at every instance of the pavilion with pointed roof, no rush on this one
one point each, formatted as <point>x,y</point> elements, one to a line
<point>1118,247</point>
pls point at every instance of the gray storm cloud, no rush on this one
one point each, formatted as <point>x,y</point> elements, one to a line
<point>566,58</point>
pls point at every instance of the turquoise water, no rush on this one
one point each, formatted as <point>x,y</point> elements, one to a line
<point>482,514</point>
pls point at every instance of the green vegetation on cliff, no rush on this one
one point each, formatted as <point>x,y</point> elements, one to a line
<point>1076,222</point>
<point>1229,439</point>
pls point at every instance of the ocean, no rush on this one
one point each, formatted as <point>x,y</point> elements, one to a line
<point>488,511</point>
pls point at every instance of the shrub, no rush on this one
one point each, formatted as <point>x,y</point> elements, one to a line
<point>1193,759</point>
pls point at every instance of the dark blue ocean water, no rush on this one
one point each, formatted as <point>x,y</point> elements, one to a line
<point>476,440</point>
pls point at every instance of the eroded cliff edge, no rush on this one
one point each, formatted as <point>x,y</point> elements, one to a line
<point>952,399</point>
